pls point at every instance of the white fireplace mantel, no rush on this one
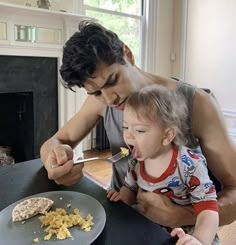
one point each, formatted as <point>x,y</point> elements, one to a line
<point>69,102</point>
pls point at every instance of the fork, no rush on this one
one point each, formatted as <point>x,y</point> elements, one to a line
<point>112,159</point>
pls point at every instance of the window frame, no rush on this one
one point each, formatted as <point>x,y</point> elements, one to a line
<point>141,18</point>
<point>149,33</point>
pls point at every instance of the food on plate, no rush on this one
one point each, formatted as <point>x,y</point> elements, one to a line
<point>55,222</point>
<point>124,151</point>
<point>36,240</point>
<point>31,207</point>
<point>59,221</point>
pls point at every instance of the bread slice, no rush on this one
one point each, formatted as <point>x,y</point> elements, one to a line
<point>31,207</point>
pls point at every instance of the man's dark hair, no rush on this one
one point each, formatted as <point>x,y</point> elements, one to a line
<point>86,49</point>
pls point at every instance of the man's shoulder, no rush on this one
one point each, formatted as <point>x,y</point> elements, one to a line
<point>93,105</point>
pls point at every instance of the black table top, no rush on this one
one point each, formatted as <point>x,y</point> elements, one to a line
<point>123,226</point>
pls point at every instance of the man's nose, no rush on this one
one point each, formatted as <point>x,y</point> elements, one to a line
<point>109,97</point>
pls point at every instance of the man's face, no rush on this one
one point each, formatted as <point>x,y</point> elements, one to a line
<point>113,84</point>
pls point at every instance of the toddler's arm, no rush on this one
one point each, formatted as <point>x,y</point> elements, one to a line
<point>204,231</point>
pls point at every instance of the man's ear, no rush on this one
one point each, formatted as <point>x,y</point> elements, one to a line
<point>169,136</point>
<point>128,55</point>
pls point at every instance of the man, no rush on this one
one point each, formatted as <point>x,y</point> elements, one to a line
<point>104,66</point>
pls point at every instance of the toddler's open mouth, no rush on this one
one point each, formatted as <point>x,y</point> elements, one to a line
<point>134,151</point>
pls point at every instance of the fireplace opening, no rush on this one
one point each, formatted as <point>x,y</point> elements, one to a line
<point>16,125</point>
<point>28,106</point>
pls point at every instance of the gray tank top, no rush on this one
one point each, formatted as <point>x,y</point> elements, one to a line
<point>113,125</point>
<point>188,91</point>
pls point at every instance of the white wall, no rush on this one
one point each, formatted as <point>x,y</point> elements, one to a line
<point>211,48</point>
<point>169,38</point>
<point>211,52</point>
<point>164,27</point>
<point>58,5</point>
<point>20,2</point>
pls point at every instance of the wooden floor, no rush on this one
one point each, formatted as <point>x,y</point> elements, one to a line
<point>98,171</point>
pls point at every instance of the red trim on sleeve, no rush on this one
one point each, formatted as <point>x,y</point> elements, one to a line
<point>205,205</point>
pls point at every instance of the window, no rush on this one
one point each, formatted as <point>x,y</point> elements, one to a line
<point>123,17</point>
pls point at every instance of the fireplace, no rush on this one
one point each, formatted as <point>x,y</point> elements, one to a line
<point>48,113</point>
<point>29,104</point>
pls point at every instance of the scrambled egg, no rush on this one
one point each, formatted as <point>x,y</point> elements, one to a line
<point>36,240</point>
<point>59,221</point>
<point>124,151</point>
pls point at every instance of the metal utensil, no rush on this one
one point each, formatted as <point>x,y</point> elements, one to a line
<point>114,158</point>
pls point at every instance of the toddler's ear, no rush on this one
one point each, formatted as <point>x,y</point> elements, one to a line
<point>169,136</point>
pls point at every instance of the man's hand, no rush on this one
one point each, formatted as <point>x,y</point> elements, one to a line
<point>67,173</point>
<point>160,209</point>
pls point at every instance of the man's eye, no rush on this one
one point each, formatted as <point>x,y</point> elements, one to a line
<point>125,127</point>
<point>113,81</point>
<point>97,93</point>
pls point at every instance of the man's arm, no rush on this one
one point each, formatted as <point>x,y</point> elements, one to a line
<point>219,150</point>
<point>160,209</point>
<point>59,148</point>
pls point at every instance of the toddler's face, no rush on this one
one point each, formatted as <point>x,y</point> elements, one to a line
<point>143,137</point>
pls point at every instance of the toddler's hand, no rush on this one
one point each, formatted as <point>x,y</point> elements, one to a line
<point>184,238</point>
<point>113,195</point>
